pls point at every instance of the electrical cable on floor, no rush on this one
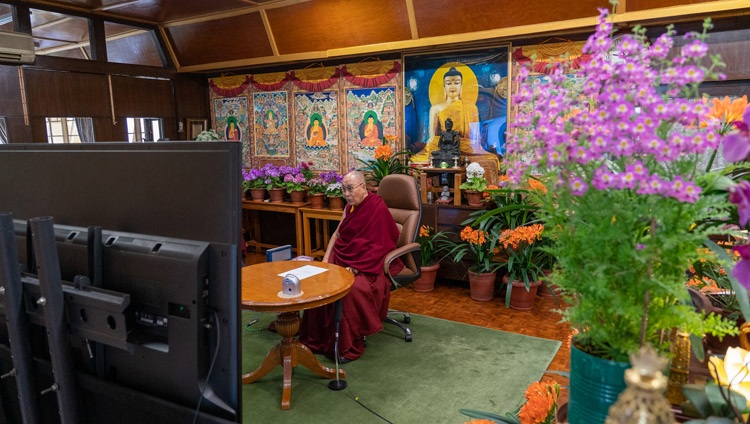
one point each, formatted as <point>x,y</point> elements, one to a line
<point>211,367</point>
<point>249,326</point>
<point>356,399</point>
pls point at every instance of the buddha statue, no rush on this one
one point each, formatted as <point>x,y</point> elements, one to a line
<point>448,144</point>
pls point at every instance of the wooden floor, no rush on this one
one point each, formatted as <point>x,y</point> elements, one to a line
<point>450,300</point>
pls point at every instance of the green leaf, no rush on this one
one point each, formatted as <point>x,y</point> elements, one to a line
<point>739,289</point>
<point>509,418</point>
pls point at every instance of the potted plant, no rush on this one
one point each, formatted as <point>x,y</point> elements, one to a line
<point>525,264</point>
<point>386,162</point>
<point>274,182</point>
<point>316,191</point>
<point>622,205</point>
<point>294,182</point>
<point>334,189</point>
<point>208,135</point>
<point>429,247</point>
<point>254,182</point>
<point>479,245</point>
<point>475,184</point>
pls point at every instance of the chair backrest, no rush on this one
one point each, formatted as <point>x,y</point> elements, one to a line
<point>281,253</point>
<point>401,195</point>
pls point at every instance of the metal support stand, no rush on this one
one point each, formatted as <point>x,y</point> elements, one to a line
<point>53,305</point>
<point>11,291</point>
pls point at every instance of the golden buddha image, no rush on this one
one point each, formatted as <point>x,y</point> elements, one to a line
<point>316,132</point>
<point>453,94</point>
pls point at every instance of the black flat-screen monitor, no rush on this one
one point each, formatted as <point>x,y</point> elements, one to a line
<point>170,219</point>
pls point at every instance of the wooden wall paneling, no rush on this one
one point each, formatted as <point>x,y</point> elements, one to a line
<point>191,99</point>
<point>57,94</point>
<point>220,40</point>
<point>38,127</point>
<point>733,46</point>
<point>445,17</point>
<point>637,5</point>
<point>340,23</point>
<point>105,131</point>
<point>18,131</point>
<point>142,97</point>
<point>10,92</point>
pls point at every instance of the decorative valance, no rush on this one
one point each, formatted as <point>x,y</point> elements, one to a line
<point>549,53</point>
<point>315,78</point>
<point>229,85</point>
<point>269,82</point>
<point>371,74</point>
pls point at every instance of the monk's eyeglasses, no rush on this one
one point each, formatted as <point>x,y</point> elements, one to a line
<point>349,189</point>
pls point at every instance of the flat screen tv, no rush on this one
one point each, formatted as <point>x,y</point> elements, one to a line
<point>170,221</point>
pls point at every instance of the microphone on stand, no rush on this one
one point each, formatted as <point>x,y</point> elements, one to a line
<point>337,384</point>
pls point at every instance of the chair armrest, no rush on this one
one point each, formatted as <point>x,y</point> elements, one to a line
<point>398,252</point>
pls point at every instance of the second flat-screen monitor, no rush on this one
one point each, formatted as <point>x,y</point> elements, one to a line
<point>170,219</point>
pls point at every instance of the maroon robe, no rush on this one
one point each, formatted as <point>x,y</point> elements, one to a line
<point>366,234</point>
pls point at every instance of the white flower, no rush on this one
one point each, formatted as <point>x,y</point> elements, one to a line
<point>474,170</point>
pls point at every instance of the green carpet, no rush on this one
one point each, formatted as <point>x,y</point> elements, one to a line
<point>448,366</point>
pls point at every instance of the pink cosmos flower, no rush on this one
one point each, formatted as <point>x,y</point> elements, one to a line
<point>741,269</point>
<point>737,145</point>
<point>740,196</point>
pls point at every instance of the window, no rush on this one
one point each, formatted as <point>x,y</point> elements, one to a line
<point>70,130</point>
<point>3,131</point>
<point>129,44</point>
<point>144,129</point>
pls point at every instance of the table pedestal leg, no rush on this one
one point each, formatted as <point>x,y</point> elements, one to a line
<point>288,353</point>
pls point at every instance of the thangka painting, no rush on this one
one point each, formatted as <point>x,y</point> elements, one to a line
<point>470,88</point>
<point>371,115</point>
<point>230,115</point>
<point>271,123</point>
<point>316,129</point>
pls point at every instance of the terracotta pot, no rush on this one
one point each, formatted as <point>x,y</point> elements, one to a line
<point>482,285</point>
<point>257,194</point>
<point>426,283</point>
<point>336,203</point>
<point>298,196</point>
<point>474,197</point>
<point>276,195</point>
<point>522,299</point>
<point>316,200</point>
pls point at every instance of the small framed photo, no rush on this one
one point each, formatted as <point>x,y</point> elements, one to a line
<point>195,126</point>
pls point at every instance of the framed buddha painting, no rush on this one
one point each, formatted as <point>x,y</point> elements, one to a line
<point>469,87</point>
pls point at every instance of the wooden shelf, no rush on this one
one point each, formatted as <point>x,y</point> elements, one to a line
<point>458,177</point>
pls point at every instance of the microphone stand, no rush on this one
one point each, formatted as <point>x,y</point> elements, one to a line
<point>337,384</point>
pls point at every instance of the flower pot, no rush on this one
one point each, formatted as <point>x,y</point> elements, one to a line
<point>474,197</point>
<point>336,203</point>
<point>522,299</point>
<point>426,283</point>
<point>276,195</point>
<point>548,290</point>
<point>257,194</point>
<point>298,196</point>
<point>482,285</point>
<point>316,200</point>
<point>595,384</point>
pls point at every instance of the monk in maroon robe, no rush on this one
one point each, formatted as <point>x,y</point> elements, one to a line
<point>365,235</point>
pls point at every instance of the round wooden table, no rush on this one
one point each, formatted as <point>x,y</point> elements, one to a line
<point>261,285</point>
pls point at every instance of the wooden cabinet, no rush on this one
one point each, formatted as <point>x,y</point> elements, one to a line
<point>448,218</point>
<point>456,176</point>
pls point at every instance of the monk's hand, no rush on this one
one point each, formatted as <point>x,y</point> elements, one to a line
<point>352,270</point>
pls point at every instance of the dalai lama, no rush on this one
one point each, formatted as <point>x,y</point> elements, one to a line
<point>365,235</point>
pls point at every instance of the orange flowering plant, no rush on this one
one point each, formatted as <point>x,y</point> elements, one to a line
<point>540,407</point>
<point>479,244</point>
<point>526,258</point>
<point>386,162</point>
<point>429,244</point>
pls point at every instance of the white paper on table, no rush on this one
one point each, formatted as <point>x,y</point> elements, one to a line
<point>304,271</point>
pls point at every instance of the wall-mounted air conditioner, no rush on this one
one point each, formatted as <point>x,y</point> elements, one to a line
<point>16,47</point>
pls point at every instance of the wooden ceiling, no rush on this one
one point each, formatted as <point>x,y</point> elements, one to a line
<point>216,35</point>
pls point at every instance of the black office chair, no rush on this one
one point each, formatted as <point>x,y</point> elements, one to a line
<point>401,195</point>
